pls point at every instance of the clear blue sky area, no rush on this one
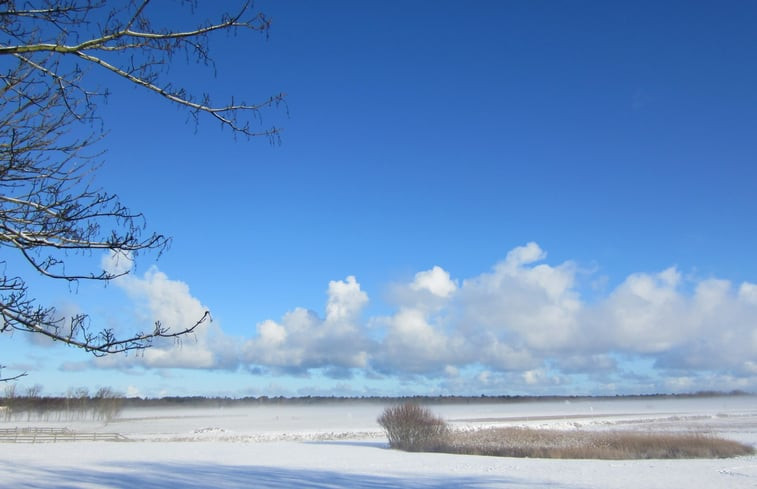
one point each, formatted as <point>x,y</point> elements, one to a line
<point>522,197</point>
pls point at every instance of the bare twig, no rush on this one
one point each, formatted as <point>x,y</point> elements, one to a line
<point>49,207</point>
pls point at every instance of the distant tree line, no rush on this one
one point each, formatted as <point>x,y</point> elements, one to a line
<point>105,404</point>
<point>78,404</point>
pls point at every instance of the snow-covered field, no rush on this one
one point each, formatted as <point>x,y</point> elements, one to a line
<point>340,446</point>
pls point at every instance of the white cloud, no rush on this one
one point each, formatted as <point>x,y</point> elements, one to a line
<point>117,262</point>
<point>451,371</point>
<point>532,306</point>
<point>346,300</point>
<point>484,377</point>
<point>497,354</point>
<point>303,341</point>
<point>540,377</point>
<point>416,339</point>
<point>159,298</point>
<point>523,255</point>
<point>748,293</point>
<point>435,281</point>
<point>524,322</point>
<point>526,318</point>
<point>644,314</point>
<point>502,320</point>
<point>721,332</point>
<point>414,345</point>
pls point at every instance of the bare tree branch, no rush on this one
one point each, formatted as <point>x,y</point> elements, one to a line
<point>124,38</point>
<point>12,378</point>
<point>50,208</point>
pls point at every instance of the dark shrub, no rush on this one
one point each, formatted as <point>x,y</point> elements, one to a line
<point>413,428</point>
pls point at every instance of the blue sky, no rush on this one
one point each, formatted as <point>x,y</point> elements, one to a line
<point>496,197</point>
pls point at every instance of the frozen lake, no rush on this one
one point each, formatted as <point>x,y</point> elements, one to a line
<point>340,445</point>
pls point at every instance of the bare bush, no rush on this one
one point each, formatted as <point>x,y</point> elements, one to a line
<point>413,428</point>
<point>524,442</point>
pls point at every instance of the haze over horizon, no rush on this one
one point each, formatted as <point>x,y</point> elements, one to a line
<point>496,198</point>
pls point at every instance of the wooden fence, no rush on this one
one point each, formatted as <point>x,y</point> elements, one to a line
<point>53,435</point>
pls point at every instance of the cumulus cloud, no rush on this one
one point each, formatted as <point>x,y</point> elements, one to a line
<point>644,314</point>
<point>158,298</point>
<point>522,304</point>
<point>346,300</point>
<point>525,321</point>
<point>416,343</point>
<point>301,340</point>
<point>523,324</point>
<point>435,281</point>
<point>720,333</point>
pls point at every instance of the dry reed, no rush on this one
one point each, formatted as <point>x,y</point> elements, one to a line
<point>616,445</point>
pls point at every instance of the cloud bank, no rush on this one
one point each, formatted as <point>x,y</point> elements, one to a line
<point>523,325</point>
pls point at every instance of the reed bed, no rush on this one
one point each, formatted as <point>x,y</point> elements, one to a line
<point>615,445</point>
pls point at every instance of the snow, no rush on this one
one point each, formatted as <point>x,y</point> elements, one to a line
<point>341,446</point>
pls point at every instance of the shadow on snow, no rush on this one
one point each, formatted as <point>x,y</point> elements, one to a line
<point>191,476</point>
